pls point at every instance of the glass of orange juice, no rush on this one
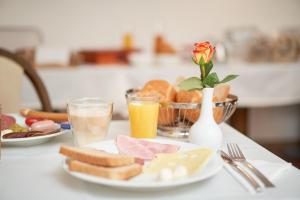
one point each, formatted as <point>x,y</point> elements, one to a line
<point>143,115</point>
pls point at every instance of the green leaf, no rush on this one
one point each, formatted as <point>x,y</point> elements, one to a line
<point>208,67</point>
<point>229,78</point>
<point>211,80</point>
<point>193,83</point>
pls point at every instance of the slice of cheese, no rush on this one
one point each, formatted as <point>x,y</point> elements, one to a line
<point>192,160</point>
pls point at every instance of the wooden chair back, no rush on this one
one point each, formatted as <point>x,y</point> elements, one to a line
<point>30,72</point>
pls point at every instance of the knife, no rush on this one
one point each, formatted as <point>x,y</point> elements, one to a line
<point>240,171</point>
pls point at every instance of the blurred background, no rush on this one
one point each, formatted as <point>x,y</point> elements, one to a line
<point>101,48</point>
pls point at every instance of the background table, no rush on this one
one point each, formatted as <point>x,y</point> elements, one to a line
<point>36,173</point>
<point>259,87</point>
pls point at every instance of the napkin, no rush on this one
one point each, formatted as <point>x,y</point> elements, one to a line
<point>271,170</point>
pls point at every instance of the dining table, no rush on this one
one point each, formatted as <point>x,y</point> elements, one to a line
<point>36,172</point>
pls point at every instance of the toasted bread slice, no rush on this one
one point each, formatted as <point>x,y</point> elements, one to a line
<point>118,173</point>
<point>96,157</point>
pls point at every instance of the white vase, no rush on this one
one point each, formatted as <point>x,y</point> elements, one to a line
<point>205,131</point>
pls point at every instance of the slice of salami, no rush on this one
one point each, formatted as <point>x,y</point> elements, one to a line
<point>27,134</point>
<point>15,135</point>
<point>7,121</point>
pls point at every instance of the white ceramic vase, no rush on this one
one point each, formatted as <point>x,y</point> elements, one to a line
<point>205,131</point>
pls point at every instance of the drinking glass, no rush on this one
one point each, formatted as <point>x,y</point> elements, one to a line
<point>143,115</point>
<point>89,119</point>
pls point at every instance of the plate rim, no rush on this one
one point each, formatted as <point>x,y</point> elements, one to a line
<point>29,139</point>
<point>149,185</point>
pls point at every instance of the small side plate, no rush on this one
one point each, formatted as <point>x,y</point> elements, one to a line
<point>29,141</point>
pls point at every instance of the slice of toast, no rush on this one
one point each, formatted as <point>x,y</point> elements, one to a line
<point>118,173</point>
<point>96,157</point>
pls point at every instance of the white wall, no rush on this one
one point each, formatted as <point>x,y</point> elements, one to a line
<point>85,23</point>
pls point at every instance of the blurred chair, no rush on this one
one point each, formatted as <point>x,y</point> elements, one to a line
<point>12,68</point>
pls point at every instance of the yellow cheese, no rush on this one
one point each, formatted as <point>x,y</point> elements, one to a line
<point>192,160</point>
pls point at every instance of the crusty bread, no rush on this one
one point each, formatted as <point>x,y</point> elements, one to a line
<point>96,157</point>
<point>194,96</point>
<point>167,94</point>
<point>119,173</point>
<point>162,88</point>
<point>221,92</point>
<point>167,116</point>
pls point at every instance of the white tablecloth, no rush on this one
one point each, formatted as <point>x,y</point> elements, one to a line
<point>259,85</point>
<point>36,173</point>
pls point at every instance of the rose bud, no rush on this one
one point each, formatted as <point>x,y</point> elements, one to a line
<point>204,50</point>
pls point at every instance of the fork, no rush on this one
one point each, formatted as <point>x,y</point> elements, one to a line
<point>237,155</point>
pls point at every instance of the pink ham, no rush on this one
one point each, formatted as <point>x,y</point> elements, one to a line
<point>156,147</point>
<point>129,146</point>
<point>142,149</point>
<point>7,121</point>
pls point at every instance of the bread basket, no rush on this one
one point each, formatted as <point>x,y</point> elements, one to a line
<point>175,119</point>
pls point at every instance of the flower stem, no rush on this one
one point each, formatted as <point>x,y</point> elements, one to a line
<point>202,70</point>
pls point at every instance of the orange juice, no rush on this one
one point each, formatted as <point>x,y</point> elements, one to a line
<point>143,117</point>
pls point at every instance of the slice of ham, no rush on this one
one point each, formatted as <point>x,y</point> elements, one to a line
<point>129,146</point>
<point>7,121</point>
<point>156,147</point>
<point>143,149</point>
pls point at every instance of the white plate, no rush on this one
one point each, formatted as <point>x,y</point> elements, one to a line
<point>30,140</point>
<point>145,181</point>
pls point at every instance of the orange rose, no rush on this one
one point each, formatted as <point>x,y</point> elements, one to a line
<point>204,50</point>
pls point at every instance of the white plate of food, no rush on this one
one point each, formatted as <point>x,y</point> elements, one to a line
<point>148,179</point>
<point>29,141</point>
<point>25,139</point>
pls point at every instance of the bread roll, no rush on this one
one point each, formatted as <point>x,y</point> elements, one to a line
<point>221,92</point>
<point>165,90</point>
<point>167,94</point>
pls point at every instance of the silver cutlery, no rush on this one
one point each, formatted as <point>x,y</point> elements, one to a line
<point>237,155</point>
<point>241,171</point>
